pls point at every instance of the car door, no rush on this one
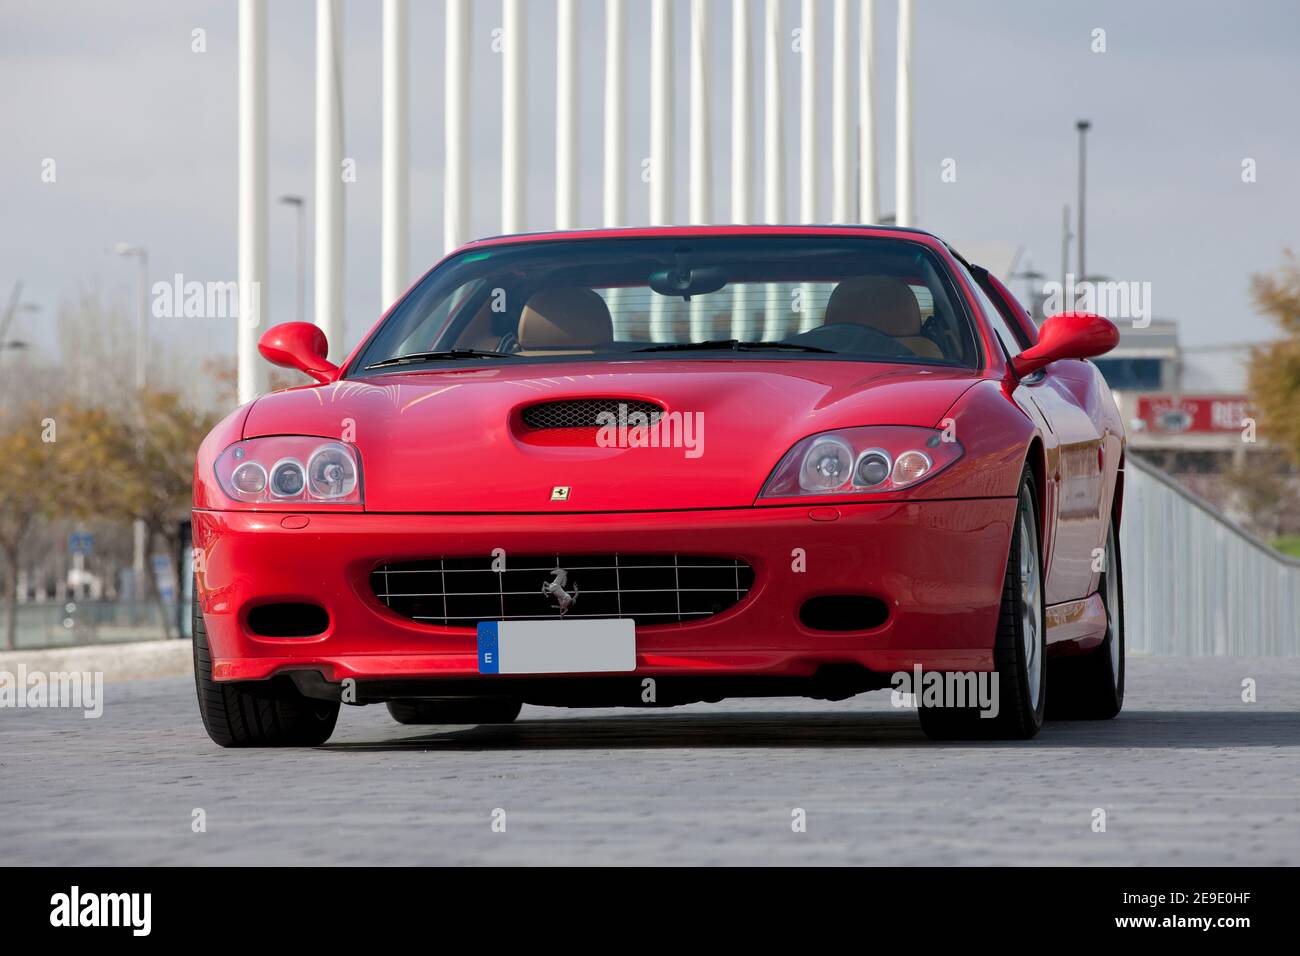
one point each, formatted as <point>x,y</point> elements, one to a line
<point>1060,390</point>
<point>1062,394</point>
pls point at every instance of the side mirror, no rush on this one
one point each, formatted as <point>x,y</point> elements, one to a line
<point>299,345</point>
<point>1077,335</point>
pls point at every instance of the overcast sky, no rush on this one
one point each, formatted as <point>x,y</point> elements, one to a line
<point>143,132</point>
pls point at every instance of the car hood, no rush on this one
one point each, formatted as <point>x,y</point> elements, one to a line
<point>453,440</point>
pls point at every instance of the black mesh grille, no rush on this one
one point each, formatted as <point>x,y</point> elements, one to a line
<point>582,413</point>
<point>649,588</point>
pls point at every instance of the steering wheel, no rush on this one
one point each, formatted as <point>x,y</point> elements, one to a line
<point>852,337</point>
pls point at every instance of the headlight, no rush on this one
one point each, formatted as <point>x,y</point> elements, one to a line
<point>248,478</point>
<point>286,479</point>
<point>873,467</point>
<point>271,471</point>
<point>826,465</point>
<point>854,461</point>
<point>331,472</point>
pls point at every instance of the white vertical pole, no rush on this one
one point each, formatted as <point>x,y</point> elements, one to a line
<point>701,212</point>
<point>614,212</point>
<point>773,132</point>
<point>868,180</point>
<point>513,99</point>
<point>455,215</point>
<point>661,141</point>
<point>773,155</point>
<point>393,243</point>
<point>252,196</point>
<point>809,153</point>
<point>661,112</point>
<point>742,144</point>
<point>841,118</point>
<point>742,137</point>
<point>615,205</point>
<point>905,196</point>
<point>329,173</point>
<point>808,145</point>
<point>566,114</point>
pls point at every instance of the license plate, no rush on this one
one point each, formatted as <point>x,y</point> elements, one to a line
<point>556,647</point>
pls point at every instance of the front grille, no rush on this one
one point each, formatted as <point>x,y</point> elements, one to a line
<point>649,588</point>
<point>585,412</point>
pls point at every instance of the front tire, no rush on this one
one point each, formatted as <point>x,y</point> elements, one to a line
<point>1020,647</point>
<point>256,714</point>
<point>485,711</point>
<point>1091,687</point>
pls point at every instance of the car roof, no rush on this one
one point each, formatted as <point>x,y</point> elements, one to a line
<point>676,232</point>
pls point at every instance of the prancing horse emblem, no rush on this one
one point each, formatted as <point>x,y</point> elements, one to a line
<point>554,589</point>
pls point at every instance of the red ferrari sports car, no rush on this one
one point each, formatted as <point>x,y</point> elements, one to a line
<point>650,467</point>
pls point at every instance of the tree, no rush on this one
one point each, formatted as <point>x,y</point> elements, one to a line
<point>1264,488</point>
<point>139,466</point>
<point>1275,367</point>
<point>163,476</point>
<point>109,454</point>
<point>33,485</point>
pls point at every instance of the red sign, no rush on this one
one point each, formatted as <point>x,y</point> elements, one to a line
<point>1191,414</point>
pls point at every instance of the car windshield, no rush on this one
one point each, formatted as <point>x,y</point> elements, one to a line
<point>738,297</point>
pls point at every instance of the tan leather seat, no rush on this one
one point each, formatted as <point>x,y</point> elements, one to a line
<point>887,305</point>
<point>573,319</point>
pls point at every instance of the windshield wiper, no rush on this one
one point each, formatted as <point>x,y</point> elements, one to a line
<point>412,357</point>
<point>733,345</point>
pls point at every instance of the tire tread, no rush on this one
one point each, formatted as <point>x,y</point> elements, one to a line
<point>275,715</point>
<point>1016,719</point>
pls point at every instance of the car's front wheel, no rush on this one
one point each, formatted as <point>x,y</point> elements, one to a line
<point>1020,647</point>
<point>1091,686</point>
<point>261,714</point>
<point>486,711</point>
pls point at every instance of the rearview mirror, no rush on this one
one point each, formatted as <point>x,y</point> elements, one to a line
<point>1077,335</point>
<point>685,281</point>
<point>299,345</point>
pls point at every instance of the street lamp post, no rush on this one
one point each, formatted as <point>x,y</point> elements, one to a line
<point>300,305</point>
<point>141,254</point>
<point>1066,237</point>
<point>1082,126</point>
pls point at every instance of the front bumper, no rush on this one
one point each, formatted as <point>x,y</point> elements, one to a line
<point>938,565</point>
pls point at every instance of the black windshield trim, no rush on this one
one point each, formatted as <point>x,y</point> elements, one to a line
<point>444,365</point>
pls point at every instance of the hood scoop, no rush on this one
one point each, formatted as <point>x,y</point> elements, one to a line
<point>589,413</point>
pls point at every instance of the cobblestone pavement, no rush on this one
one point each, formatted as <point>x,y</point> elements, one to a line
<point>1188,774</point>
